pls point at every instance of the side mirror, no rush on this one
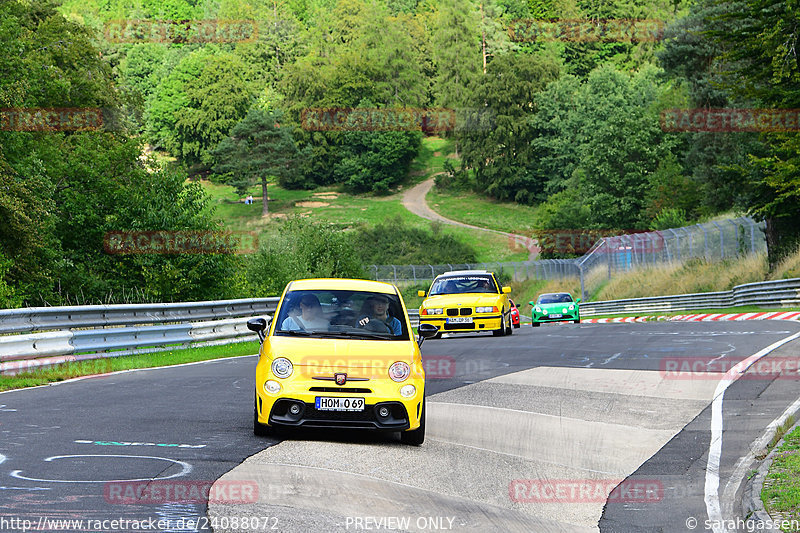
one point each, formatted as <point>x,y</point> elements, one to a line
<point>506,290</point>
<point>258,325</point>
<point>532,303</point>
<point>426,331</point>
<point>578,301</point>
<point>421,293</point>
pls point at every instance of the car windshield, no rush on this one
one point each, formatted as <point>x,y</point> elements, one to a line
<point>339,313</point>
<point>562,298</point>
<point>464,284</point>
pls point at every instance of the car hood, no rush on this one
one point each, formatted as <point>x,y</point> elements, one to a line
<point>342,355</point>
<point>557,307</point>
<point>462,300</point>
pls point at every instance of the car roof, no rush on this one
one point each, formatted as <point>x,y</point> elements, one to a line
<point>462,273</point>
<point>554,294</point>
<point>342,284</point>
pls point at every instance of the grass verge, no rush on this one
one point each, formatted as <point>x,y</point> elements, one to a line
<point>112,364</point>
<point>781,492</point>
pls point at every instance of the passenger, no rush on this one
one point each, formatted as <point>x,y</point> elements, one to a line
<point>376,316</point>
<point>310,318</point>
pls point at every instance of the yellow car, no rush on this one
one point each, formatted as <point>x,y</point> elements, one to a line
<point>467,300</point>
<point>340,353</point>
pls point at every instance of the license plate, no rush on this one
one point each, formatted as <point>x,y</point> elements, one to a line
<point>556,316</point>
<point>339,404</point>
<point>460,320</point>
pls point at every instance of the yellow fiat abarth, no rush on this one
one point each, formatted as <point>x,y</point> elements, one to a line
<point>467,300</point>
<point>340,353</point>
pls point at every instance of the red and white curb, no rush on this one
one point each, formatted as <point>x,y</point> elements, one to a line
<point>706,317</point>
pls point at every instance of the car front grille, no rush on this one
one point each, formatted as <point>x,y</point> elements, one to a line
<point>463,311</point>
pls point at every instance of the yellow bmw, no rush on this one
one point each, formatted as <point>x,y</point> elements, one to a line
<point>467,300</point>
<point>340,353</point>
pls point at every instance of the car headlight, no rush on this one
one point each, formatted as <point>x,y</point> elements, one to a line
<point>537,309</point>
<point>432,311</point>
<point>272,387</point>
<point>544,311</point>
<point>564,310</point>
<point>399,371</point>
<point>487,309</point>
<point>572,307</point>
<point>407,391</point>
<point>282,367</point>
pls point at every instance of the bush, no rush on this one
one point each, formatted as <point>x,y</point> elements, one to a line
<point>394,242</point>
<point>302,249</point>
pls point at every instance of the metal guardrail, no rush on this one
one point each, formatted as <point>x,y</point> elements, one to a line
<point>76,333</point>
<point>85,316</point>
<point>782,293</point>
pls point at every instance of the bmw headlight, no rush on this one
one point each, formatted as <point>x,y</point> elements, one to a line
<point>432,311</point>
<point>282,367</point>
<point>488,309</point>
<point>399,371</point>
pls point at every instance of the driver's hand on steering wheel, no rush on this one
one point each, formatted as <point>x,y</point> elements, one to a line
<point>364,321</point>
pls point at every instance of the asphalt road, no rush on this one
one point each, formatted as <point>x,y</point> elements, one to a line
<point>560,402</point>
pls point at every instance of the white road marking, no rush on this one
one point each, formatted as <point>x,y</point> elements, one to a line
<point>715,448</point>
<point>185,469</point>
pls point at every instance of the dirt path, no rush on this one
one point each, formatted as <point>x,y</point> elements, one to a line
<point>414,201</point>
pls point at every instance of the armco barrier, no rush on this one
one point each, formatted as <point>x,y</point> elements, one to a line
<point>88,332</point>
<point>782,293</point>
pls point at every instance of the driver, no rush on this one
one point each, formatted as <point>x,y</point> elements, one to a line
<point>376,316</point>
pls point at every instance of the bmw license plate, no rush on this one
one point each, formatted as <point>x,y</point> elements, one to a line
<point>556,315</point>
<point>460,320</point>
<point>339,404</point>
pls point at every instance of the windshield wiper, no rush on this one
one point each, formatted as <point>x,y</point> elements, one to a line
<point>296,332</point>
<point>357,335</point>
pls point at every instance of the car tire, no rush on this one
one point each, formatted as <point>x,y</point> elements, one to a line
<point>577,321</point>
<point>259,429</point>
<point>417,436</point>
<point>517,325</point>
<point>536,324</point>
<point>510,327</point>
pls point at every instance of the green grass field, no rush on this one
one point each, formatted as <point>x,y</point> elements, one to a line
<point>476,210</point>
<point>329,205</point>
<point>114,364</point>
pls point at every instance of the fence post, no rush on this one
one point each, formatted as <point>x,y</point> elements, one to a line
<point>705,240</point>
<point>414,272</point>
<point>721,240</point>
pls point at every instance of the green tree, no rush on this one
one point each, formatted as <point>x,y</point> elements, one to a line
<point>258,148</point>
<point>456,51</point>
<point>760,62</point>
<point>499,150</point>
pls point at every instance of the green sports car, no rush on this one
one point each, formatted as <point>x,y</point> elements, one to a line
<point>555,307</point>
